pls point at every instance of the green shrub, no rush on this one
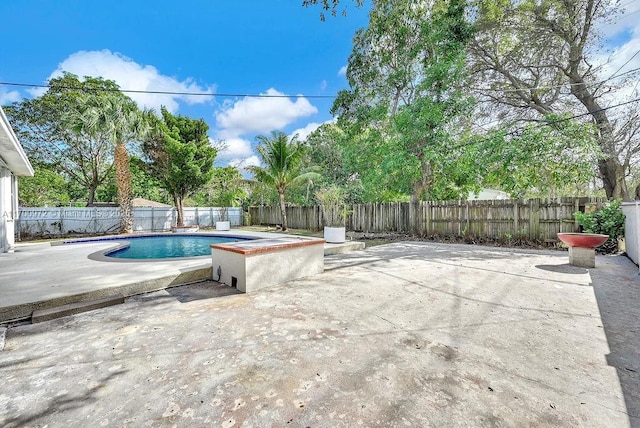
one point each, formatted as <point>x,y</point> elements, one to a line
<point>608,220</point>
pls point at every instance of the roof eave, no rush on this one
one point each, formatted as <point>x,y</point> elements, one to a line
<point>12,154</point>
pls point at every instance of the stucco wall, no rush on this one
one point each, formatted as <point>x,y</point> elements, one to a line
<point>632,229</point>
<point>7,183</point>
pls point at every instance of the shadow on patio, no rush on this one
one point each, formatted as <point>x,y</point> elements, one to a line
<point>618,297</point>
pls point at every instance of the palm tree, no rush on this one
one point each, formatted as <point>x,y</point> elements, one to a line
<point>283,165</point>
<point>117,117</point>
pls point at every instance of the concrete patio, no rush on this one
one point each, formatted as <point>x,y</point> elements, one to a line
<point>406,334</point>
<point>45,275</point>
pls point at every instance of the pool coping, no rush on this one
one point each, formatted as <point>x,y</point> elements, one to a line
<point>47,275</point>
<point>122,242</point>
<point>283,244</point>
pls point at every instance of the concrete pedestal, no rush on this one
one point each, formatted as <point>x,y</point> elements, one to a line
<point>252,265</point>
<point>223,225</point>
<point>582,257</point>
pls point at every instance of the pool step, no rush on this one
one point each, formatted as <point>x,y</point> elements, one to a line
<point>345,247</point>
<point>75,308</point>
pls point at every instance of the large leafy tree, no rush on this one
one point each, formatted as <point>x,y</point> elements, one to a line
<point>181,156</point>
<point>115,117</point>
<point>329,6</point>
<point>46,188</point>
<point>405,74</point>
<point>143,183</point>
<point>283,160</point>
<point>539,159</point>
<point>44,129</point>
<point>330,151</point>
<point>534,58</point>
<point>227,188</point>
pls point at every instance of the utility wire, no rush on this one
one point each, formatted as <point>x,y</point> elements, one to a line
<point>622,66</point>
<point>626,4</point>
<point>563,85</point>
<point>632,13</point>
<point>220,94</point>
<point>194,94</point>
<point>516,131</point>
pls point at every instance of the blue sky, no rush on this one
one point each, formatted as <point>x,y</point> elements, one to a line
<point>246,47</point>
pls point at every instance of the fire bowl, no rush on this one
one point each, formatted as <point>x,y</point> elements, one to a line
<point>583,240</point>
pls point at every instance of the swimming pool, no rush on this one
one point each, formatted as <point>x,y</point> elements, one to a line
<point>162,246</point>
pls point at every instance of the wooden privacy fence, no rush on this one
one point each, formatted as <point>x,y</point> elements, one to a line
<point>531,218</point>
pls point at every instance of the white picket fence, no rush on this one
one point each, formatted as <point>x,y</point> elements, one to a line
<point>62,221</point>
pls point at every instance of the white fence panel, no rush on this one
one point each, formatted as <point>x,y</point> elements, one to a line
<point>61,221</point>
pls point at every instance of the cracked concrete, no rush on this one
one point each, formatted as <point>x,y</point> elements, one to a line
<point>407,334</point>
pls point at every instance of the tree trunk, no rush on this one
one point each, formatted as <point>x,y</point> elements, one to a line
<point>283,211</point>
<point>123,182</point>
<point>611,169</point>
<point>420,188</point>
<point>177,199</point>
<point>92,195</point>
<point>612,173</point>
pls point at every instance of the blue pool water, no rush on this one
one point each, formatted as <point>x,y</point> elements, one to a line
<point>167,246</point>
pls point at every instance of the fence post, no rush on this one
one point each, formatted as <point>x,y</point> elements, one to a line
<point>534,219</point>
<point>468,221</point>
<point>61,223</point>
<point>414,216</point>
<point>516,215</point>
<point>427,209</point>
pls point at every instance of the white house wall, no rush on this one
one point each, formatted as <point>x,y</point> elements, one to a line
<point>7,229</point>
<point>13,163</point>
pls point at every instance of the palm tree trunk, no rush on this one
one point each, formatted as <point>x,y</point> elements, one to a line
<point>283,210</point>
<point>123,182</point>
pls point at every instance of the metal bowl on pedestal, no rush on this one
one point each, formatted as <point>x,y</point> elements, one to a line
<point>582,247</point>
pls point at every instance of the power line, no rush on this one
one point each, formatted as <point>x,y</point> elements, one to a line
<point>221,94</point>
<point>632,13</point>
<point>514,132</point>
<point>560,86</point>
<point>194,94</point>
<point>622,66</point>
<point>541,124</point>
<point>626,4</point>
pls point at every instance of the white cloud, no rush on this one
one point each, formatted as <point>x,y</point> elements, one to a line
<point>245,163</point>
<point>622,59</point>
<point>236,148</point>
<point>323,85</point>
<point>8,97</point>
<point>304,132</point>
<point>624,21</point>
<point>37,92</point>
<point>261,114</point>
<point>128,74</point>
<point>342,71</point>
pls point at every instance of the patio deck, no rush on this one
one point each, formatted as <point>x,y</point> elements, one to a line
<point>42,276</point>
<point>407,334</point>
